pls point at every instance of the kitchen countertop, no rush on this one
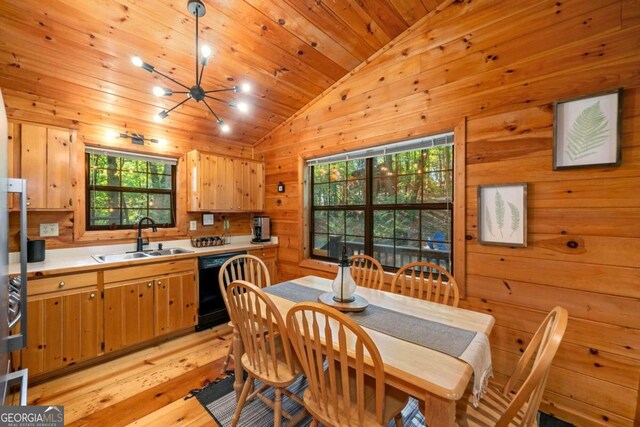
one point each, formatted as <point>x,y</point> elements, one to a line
<point>58,261</point>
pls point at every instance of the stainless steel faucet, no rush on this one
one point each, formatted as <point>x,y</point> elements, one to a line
<point>139,243</point>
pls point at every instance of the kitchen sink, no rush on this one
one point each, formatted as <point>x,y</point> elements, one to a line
<point>140,255</point>
<point>170,251</point>
<point>120,257</point>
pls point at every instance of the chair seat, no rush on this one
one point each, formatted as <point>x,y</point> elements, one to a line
<point>492,405</point>
<point>395,400</point>
<point>283,378</point>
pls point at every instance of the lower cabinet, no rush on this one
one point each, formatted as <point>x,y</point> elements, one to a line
<point>65,322</point>
<point>270,258</point>
<point>148,307</point>
<point>77,317</point>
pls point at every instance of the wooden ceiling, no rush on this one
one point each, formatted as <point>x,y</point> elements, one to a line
<point>74,56</point>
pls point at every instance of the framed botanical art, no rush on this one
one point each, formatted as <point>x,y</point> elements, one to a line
<point>587,131</point>
<point>502,214</point>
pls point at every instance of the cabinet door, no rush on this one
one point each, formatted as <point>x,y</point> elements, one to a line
<point>64,328</point>
<point>33,353</point>
<point>194,180</point>
<point>270,258</point>
<point>33,164</point>
<point>237,184</point>
<point>206,199</point>
<point>129,308</point>
<point>175,299</point>
<point>255,187</point>
<point>224,184</point>
<point>59,194</point>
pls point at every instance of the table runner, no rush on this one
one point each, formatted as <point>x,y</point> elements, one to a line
<point>469,346</point>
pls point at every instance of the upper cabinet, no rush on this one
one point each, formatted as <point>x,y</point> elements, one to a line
<point>224,184</point>
<point>45,162</point>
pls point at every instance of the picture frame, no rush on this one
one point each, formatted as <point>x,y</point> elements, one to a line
<point>587,131</point>
<point>502,214</point>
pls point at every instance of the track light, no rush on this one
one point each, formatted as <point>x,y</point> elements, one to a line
<point>195,92</point>
<point>138,139</point>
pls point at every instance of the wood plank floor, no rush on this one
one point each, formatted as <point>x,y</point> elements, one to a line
<point>145,388</point>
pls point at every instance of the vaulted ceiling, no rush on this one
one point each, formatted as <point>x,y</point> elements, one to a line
<point>74,56</point>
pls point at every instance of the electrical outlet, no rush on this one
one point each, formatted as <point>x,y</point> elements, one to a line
<point>49,230</point>
<point>193,225</point>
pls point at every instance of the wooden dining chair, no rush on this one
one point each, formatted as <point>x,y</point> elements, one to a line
<point>342,391</point>
<point>267,350</point>
<point>426,281</point>
<point>241,267</point>
<point>367,271</point>
<point>504,406</point>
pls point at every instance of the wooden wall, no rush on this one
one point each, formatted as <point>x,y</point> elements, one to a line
<point>501,65</point>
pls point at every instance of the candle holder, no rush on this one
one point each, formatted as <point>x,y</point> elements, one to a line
<point>344,287</point>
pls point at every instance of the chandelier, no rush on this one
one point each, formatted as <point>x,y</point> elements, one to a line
<point>196,92</point>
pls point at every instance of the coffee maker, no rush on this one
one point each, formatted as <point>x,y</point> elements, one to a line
<point>261,229</point>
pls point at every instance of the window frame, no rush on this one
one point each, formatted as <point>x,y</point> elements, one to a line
<point>111,227</point>
<point>369,208</point>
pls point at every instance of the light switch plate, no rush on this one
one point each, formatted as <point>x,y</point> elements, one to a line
<point>49,230</point>
<point>207,219</point>
<point>193,225</point>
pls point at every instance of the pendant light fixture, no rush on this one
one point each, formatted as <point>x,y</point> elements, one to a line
<point>196,92</point>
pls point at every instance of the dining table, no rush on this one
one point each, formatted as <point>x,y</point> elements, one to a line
<point>436,379</point>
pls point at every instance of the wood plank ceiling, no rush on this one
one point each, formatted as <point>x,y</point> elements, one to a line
<point>73,56</point>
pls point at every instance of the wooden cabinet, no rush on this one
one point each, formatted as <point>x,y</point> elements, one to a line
<point>270,257</point>
<point>141,303</point>
<point>45,162</point>
<point>128,308</point>
<point>224,184</point>
<point>65,322</point>
<point>175,303</point>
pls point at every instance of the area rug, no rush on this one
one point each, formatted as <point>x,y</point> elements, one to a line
<point>219,400</point>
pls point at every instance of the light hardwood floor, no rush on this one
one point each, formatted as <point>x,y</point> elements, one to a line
<point>145,388</point>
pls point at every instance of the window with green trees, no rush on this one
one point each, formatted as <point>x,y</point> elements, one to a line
<point>395,207</point>
<point>123,189</point>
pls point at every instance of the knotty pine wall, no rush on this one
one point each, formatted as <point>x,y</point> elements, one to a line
<point>95,129</point>
<point>501,65</point>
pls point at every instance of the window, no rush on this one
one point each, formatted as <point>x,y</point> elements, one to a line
<point>123,187</point>
<point>394,203</point>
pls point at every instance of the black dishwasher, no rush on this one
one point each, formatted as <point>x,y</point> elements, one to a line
<point>211,308</point>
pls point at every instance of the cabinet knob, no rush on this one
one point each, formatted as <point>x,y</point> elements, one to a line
<point>159,282</point>
<point>28,202</point>
<point>61,285</point>
<point>93,295</point>
<point>149,284</point>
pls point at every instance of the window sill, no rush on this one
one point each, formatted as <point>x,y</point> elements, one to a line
<point>114,235</point>
<point>331,268</point>
<point>324,266</point>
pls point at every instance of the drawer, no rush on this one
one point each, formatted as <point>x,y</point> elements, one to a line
<point>61,283</point>
<point>148,270</point>
<point>265,253</point>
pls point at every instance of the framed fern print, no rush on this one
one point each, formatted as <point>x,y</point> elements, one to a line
<point>502,214</point>
<point>587,131</point>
